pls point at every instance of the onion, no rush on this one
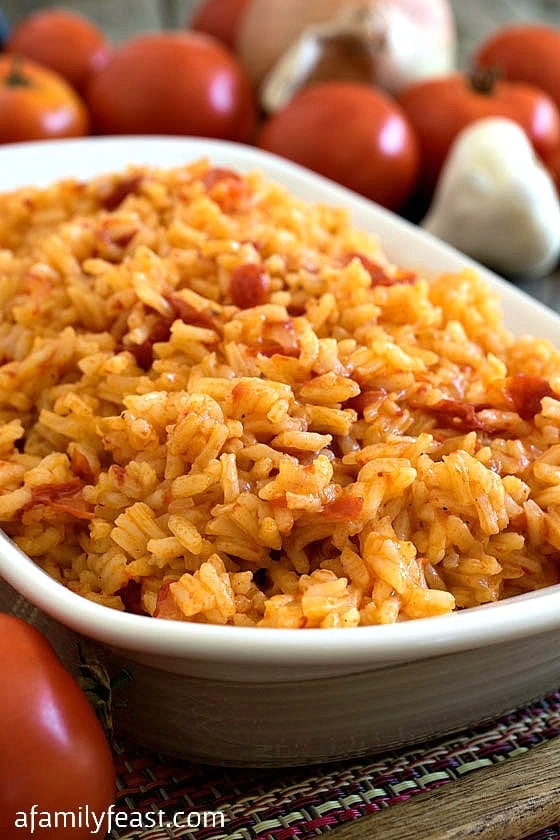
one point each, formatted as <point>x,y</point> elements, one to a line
<point>270,27</point>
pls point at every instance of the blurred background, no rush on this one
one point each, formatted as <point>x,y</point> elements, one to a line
<point>120,18</point>
<point>401,188</point>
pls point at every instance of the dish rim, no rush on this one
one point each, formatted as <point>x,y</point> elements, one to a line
<point>518,617</point>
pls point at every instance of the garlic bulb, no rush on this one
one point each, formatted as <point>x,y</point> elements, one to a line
<point>496,202</point>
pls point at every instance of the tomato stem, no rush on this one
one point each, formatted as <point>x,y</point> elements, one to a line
<point>483,79</point>
<point>16,76</point>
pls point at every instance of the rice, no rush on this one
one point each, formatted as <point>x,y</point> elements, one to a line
<point>220,403</point>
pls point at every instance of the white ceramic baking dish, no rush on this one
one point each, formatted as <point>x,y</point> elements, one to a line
<point>278,697</point>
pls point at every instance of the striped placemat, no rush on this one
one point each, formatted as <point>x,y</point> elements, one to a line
<point>217,803</point>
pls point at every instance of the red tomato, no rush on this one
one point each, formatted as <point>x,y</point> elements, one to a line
<point>172,83</point>
<point>220,18</point>
<point>64,41</point>
<point>524,52</point>
<point>53,751</point>
<point>439,108</point>
<point>351,133</point>
<point>37,104</point>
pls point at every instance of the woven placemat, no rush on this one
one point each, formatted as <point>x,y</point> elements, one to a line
<point>164,798</point>
<point>308,802</point>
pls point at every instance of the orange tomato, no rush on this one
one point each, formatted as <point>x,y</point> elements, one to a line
<point>172,83</point>
<point>54,755</point>
<point>524,52</point>
<point>64,41</point>
<point>37,104</point>
<point>220,18</point>
<point>349,132</point>
<point>439,108</point>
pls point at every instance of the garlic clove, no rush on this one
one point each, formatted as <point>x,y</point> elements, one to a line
<point>371,42</point>
<point>496,202</point>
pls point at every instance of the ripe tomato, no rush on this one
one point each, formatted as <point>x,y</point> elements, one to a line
<point>351,133</point>
<point>439,108</point>
<point>37,104</point>
<point>172,83</point>
<point>220,18</point>
<point>64,41</point>
<point>524,52</point>
<point>53,751</point>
